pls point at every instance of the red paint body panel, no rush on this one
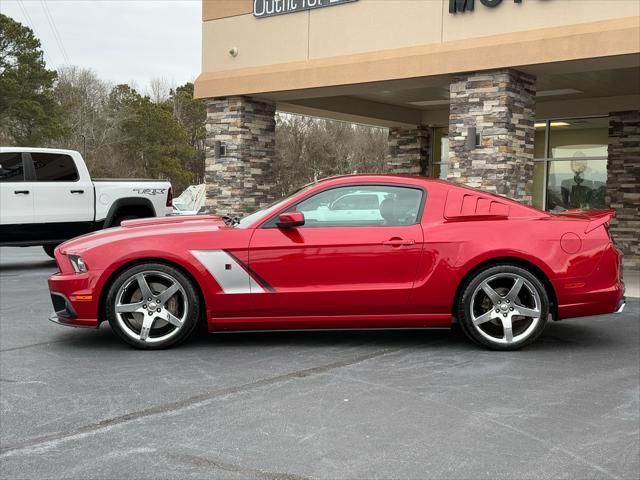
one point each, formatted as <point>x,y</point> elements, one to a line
<point>359,277</point>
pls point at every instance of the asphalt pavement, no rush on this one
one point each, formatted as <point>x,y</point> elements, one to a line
<point>79,404</point>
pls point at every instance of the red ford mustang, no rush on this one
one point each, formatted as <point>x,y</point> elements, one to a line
<point>363,251</point>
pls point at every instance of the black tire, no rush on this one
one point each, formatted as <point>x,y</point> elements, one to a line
<point>531,327</point>
<point>188,295</point>
<point>49,249</point>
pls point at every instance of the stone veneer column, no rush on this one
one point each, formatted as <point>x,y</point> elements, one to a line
<point>623,183</point>
<point>241,180</point>
<point>409,150</point>
<point>501,105</point>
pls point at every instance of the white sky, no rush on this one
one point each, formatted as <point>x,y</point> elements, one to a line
<point>122,41</point>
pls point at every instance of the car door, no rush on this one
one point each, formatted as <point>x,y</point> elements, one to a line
<point>360,265</point>
<point>63,195</point>
<point>16,198</point>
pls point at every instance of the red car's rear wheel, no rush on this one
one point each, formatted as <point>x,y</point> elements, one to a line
<point>152,306</point>
<point>504,307</point>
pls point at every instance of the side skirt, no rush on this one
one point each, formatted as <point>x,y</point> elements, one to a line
<point>331,322</point>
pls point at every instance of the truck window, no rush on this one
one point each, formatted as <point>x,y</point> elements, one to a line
<point>54,167</point>
<point>11,168</point>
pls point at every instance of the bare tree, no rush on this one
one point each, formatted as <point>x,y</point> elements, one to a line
<point>308,149</point>
<point>159,89</point>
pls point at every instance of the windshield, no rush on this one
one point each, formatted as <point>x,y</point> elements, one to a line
<point>180,206</point>
<point>268,210</point>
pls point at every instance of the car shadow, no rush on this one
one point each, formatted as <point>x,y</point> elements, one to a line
<point>27,265</point>
<point>556,337</point>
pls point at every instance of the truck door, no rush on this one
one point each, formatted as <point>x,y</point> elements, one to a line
<point>16,198</point>
<point>63,201</point>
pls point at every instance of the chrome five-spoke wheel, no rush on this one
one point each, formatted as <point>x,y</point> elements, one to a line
<point>504,307</point>
<point>152,306</point>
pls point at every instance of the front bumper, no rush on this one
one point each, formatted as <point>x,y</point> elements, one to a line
<point>67,322</point>
<point>73,299</point>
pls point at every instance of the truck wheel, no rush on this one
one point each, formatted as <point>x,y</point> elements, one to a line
<point>503,308</point>
<point>152,306</point>
<point>48,249</point>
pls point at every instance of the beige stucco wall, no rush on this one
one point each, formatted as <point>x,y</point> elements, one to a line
<point>370,25</point>
<point>373,25</point>
<point>270,41</point>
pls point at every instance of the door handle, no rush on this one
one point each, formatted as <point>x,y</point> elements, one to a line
<point>77,191</point>
<point>399,242</point>
<point>21,192</point>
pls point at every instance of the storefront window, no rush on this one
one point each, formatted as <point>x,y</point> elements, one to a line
<point>538,184</point>
<point>572,171</point>
<point>576,184</point>
<point>579,138</point>
<point>440,166</point>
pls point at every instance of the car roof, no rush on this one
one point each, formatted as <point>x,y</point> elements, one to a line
<point>377,177</point>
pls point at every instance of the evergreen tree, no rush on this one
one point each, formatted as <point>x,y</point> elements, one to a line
<point>29,113</point>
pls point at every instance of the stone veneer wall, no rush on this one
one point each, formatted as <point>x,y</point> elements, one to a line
<point>501,105</point>
<point>623,183</point>
<point>241,180</point>
<point>409,150</point>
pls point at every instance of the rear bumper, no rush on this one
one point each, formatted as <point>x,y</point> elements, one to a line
<point>623,303</point>
<point>600,293</point>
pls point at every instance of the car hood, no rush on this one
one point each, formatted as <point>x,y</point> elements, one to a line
<point>172,220</point>
<point>146,227</point>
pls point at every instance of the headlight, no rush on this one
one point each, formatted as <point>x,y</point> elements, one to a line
<point>77,263</point>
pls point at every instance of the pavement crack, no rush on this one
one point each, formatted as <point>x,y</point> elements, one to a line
<point>202,462</point>
<point>11,349</point>
<point>93,428</point>
<point>483,417</point>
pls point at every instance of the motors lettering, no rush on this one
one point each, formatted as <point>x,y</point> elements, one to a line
<point>461,6</point>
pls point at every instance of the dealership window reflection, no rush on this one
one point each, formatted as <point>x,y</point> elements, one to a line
<point>570,170</point>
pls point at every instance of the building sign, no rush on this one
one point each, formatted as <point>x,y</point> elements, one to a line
<point>461,6</point>
<point>270,8</point>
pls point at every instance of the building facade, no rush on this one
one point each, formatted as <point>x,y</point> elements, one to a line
<point>538,100</point>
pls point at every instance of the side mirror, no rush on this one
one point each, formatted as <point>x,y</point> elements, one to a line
<point>290,220</point>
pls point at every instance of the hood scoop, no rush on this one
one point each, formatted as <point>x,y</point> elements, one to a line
<point>173,220</point>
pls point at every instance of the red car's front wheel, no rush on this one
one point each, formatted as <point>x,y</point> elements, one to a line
<point>152,306</point>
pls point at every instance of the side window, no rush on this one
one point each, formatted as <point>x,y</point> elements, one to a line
<point>360,206</point>
<point>54,167</point>
<point>363,201</point>
<point>11,168</point>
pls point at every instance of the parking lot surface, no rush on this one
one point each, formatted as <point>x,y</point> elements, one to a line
<point>78,403</point>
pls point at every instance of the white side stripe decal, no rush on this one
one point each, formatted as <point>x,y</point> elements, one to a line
<point>231,280</point>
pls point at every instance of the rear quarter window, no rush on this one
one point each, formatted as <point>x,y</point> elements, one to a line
<point>54,167</point>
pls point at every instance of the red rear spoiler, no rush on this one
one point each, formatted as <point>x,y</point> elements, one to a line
<point>595,218</point>
<point>599,217</point>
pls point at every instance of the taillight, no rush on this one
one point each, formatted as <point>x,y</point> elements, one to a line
<point>170,198</point>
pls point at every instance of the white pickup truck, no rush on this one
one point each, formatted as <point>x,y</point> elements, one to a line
<point>47,197</point>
